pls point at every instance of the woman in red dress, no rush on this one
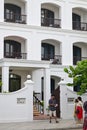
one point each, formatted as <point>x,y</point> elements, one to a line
<point>79,110</point>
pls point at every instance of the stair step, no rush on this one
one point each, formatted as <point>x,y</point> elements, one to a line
<point>35,111</point>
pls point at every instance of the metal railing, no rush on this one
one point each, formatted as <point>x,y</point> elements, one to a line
<point>38,104</point>
<point>15,18</point>
<point>16,55</point>
<point>51,22</point>
<point>79,26</point>
<point>56,59</point>
<point>78,58</point>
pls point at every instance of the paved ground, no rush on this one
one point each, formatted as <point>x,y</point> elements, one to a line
<point>42,125</point>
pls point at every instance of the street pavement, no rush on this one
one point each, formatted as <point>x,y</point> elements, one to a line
<point>42,125</point>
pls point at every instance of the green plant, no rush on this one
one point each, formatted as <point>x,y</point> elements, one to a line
<point>42,103</point>
<point>79,75</point>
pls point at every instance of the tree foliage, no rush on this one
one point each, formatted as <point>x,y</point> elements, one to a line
<point>79,75</point>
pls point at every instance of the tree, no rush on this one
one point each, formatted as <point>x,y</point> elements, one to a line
<point>79,75</point>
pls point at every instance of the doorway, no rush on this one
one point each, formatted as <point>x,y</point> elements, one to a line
<point>76,21</point>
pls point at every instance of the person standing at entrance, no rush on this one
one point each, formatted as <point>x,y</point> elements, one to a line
<point>52,107</point>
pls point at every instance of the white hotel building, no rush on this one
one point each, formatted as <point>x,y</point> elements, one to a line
<point>40,38</point>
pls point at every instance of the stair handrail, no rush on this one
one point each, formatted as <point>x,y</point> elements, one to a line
<point>38,103</point>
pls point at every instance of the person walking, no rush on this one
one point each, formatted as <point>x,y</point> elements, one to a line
<point>85,116</point>
<point>52,108</point>
<point>80,110</point>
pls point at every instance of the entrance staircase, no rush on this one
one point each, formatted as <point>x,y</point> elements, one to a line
<point>38,113</point>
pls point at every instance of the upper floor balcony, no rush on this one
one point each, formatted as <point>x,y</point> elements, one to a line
<point>17,55</point>
<point>78,58</point>
<point>15,18</point>
<point>14,13</point>
<point>79,21</point>
<point>51,22</point>
<point>50,15</point>
<point>79,26</point>
<point>79,52</point>
<point>50,51</point>
<point>14,48</point>
<point>55,59</point>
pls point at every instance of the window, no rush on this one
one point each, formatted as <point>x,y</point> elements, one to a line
<point>14,82</point>
<point>12,49</point>
<point>47,17</point>
<point>76,21</point>
<point>47,51</point>
<point>76,54</point>
<point>12,12</point>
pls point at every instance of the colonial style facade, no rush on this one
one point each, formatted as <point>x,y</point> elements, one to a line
<point>40,38</point>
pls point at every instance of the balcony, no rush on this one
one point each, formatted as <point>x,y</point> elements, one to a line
<point>77,58</point>
<point>50,22</point>
<point>15,18</point>
<point>79,26</point>
<point>54,59</point>
<point>16,55</point>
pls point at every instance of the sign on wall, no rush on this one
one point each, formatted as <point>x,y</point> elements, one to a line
<point>21,100</point>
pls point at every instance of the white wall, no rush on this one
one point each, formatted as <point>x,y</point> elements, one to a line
<point>12,111</point>
<point>66,106</point>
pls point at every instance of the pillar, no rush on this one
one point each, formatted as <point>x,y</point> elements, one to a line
<point>67,57</point>
<point>5,79</point>
<point>27,11</point>
<point>63,99</point>
<point>66,21</point>
<point>29,84</point>
<point>47,92</point>
<point>32,9</point>
<point>2,10</point>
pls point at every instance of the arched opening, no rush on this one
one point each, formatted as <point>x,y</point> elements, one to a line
<point>12,13</point>
<point>12,49</point>
<point>50,15</point>
<point>76,21</point>
<point>51,50</point>
<point>48,51</point>
<point>76,54</point>
<point>79,52</point>
<point>47,17</point>
<point>79,21</point>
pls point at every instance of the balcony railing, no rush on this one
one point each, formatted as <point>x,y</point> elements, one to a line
<point>15,18</point>
<point>57,59</point>
<point>16,55</point>
<point>50,22</point>
<point>79,26</point>
<point>77,58</point>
